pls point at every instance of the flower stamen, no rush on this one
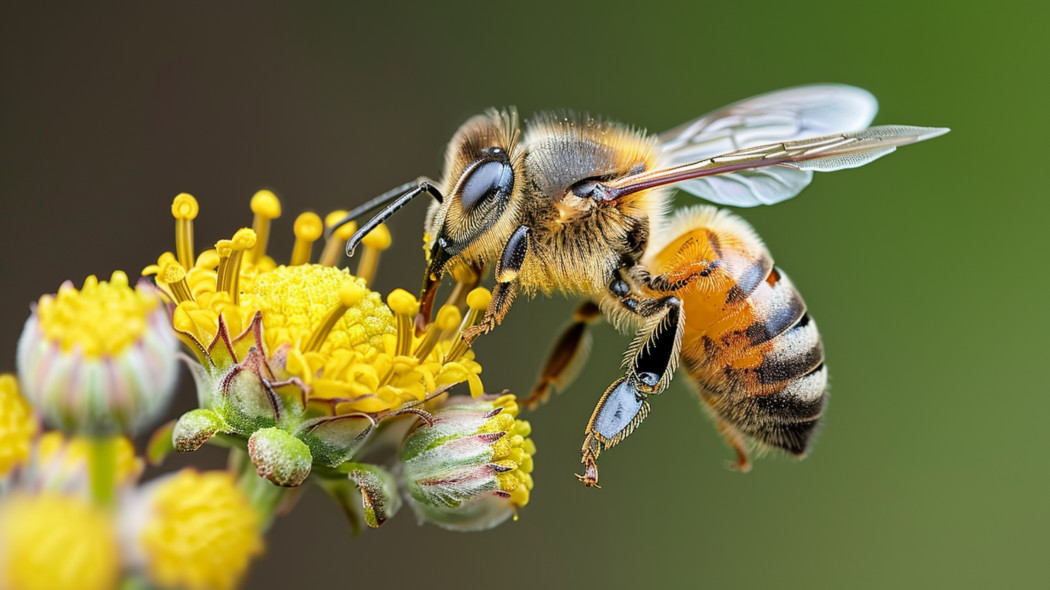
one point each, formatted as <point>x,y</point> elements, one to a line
<point>174,275</point>
<point>405,307</point>
<point>333,248</point>
<point>184,208</point>
<point>375,242</point>
<point>231,252</point>
<point>266,208</point>
<point>478,300</point>
<point>448,317</point>
<point>308,229</point>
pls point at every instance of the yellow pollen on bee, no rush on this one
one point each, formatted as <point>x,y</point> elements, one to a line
<point>184,209</point>
<point>333,248</point>
<point>308,229</point>
<point>375,242</point>
<point>405,307</point>
<point>266,207</point>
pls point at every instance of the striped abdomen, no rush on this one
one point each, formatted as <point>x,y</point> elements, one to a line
<point>749,345</point>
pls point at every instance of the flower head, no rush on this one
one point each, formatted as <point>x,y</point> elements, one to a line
<point>56,542</point>
<point>304,348</point>
<point>17,426</point>
<point>195,531</point>
<point>100,359</point>
<point>471,469</point>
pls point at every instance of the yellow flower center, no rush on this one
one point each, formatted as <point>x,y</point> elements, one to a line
<point>101,318</point>
<point>202,532</point>
<point>17,425</point>
<point>52,542</point>
<point>295,300</point>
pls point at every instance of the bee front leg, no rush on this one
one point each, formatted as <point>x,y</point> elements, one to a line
<point>568,356</point>
<point>650,362</point>
<point>506,288</point>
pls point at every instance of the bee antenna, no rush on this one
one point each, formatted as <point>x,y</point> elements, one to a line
<point>393,200</point>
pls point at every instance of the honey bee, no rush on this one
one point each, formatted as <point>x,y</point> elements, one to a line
<point>579,204</point>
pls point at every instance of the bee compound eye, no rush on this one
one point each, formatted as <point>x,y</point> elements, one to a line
<point>489,179</point>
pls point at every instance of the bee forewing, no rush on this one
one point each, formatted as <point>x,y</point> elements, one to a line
<point>775,172</point>
<point>783,115</point>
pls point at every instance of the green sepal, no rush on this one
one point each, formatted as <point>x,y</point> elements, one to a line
<point>379,495</point>
<point>194,428</point>
<point>334,440</point>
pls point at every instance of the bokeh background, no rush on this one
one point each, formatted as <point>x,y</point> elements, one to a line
<point>924,270</point>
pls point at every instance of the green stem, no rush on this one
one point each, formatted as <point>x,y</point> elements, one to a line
<point>265,497</point>
<point>103,469</point>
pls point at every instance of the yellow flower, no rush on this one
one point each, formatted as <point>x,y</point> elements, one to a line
<point>63,463</point>
<point>303,360</point>
<point>55,542</point>
<point>98,360</point>
<point>199,531</point>
<point>17,426</point>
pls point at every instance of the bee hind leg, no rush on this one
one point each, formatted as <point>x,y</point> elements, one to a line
<point>568,356</point>
<point>650,363</point>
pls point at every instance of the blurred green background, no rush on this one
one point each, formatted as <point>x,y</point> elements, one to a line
<point>921,269</point>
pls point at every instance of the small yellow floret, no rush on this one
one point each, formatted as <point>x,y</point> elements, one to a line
<point>308,227</point>
<point>243,239</point>
<point>184,207</point>
<point>379,238</point>
<point>479,298</point>
<point>52,542</point>
<point>17,425</point>
<point>201,532</point>
<point>100,319</point>
<point>64,457</point>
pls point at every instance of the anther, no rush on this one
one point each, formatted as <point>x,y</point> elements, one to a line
<point>350,294</point>
<point>478,301</point>
<point>308,229</point>
<point>405,307</point>
<point>333,248</point>
<point>266,208</point>
<point>174,275</point>
<point>184,209</point>
<point>375,242</point>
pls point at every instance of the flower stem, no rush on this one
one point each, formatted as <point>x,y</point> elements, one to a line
<point>103,469</point>
<point>264,496</point>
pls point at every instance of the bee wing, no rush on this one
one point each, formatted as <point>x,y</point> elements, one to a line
<point>769,167</point>
<point>785,115</point>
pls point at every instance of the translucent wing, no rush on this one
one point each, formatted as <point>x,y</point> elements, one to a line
<point>767,169</point>
<point>785,115</point>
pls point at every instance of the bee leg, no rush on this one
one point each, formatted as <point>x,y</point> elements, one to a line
<point>506,288</point>
<point>567,357</point>
<point>736,440</point>
<point>650,362</point>
<point>620,410</point>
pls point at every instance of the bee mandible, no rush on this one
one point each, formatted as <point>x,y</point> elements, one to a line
<point>578,204</point>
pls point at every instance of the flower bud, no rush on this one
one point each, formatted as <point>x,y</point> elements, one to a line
<point>470,470</point>
<point>100,360</point>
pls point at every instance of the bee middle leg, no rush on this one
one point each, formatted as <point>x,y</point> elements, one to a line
<point>650,362</point>
<point>568,356</point>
